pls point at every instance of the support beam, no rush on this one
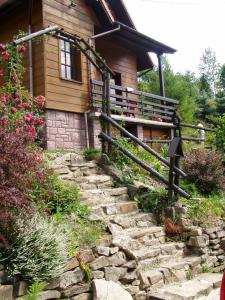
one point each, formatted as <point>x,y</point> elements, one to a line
<point>161,76</point>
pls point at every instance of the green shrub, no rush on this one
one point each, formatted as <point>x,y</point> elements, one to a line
<point>154,201</point>
<point>205,170</point>
<point>130,170</point>
<point>59,196</point>
<point>34,290</point>
<point>207,209</point>
<point>91,153</point>
<point>40,249</point>
<point>220,133</point>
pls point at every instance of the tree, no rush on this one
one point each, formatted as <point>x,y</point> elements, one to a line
<point>209,72</point>
<point>182,87</point>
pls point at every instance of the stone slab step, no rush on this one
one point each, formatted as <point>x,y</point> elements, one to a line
<point>104,192</point>
<point>105,200</point>
<point>93,179</point>
<point>116,208</point>
<point>201,285</point>
<point>140,220</point>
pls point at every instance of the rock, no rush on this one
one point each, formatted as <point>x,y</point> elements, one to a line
<point>132,289</point>
<point>117,259</point>
<point>98,274</point>
<point>71,277</point>
<point>76,290</point>
<point>198,241</point>
<point>114,273</point>
<point>130,264</point>
<point>6,292</point>
<point>114,250</point>
<point>53,284</point>
<point>20,288</point>
<point>87,255</point>
<point>102,251</point>
<point>85,296</point>
<point>214,242</point>
<point>140,296</point>
<point>220,234</point>
<point>109,290</point>
<point>51,294</point>
<point>222,244</point>
<point>72,264</point>
<point>129,277</point>
<point>150,277</point>
<point>100,263</point>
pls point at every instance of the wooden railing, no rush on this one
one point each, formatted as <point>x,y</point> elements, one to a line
<point>132,102</point>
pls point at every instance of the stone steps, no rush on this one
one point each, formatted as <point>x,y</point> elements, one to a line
<point>141,259</point>
<point>197,288</point>
<point>115,208</point>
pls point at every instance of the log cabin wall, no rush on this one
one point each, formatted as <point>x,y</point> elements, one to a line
<point>17,19</point>
<point>62,94</point>
<point>119,59</point>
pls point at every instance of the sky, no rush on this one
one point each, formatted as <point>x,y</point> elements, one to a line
<point>189,26</point>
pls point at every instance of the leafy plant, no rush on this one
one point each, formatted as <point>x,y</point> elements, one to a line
<point>206,269</point>
<point>34,290</point>
<point>40,249</point>
<point>205,170</point>
<point>91,153</point>
<point>206,209</point>
<point>189,275</point>
<point>220,133</point>
<point>59,196</point>
<point>154,201</point>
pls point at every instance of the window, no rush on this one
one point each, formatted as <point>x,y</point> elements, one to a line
<point>70,61</point>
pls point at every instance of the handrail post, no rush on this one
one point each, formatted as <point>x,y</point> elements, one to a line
<point>104,110</point>
<point>177,133</point>
<point>108,109</point>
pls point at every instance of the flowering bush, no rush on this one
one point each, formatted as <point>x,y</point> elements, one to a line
<point>205,170</point>
<point>20,160</point>
<point>40,249</point>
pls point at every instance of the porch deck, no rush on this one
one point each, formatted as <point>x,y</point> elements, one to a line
<point>130,103</point>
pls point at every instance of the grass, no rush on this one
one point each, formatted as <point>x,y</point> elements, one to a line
<point>206,209</point>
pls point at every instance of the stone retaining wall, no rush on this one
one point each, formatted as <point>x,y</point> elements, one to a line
<point>205,240</point>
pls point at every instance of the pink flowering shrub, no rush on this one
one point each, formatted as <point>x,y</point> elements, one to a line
<point>205,169</point>
<point>21,165</point>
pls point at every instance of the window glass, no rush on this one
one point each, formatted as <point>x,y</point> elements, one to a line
<point>70,61</point>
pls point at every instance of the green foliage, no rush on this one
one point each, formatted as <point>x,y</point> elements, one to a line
<point>206,269</point>
<point>206,209</point>
<point>59,196</point>
<point>183,87</point>
<point>130,170</point>
<point>189,275</point>
<point>220,133</point>
<point>34,290</point>
<point>40,250</point>
<point>154,201</point>
<point>84,233</point>
<point>91,153</point>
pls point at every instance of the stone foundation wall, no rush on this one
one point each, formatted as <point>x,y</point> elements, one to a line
<point>65,130</point>
<point>205,240</point>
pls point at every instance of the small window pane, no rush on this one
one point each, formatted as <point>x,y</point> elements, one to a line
<point>68,46</point>
<point>63,61</point>
<point>63,71</point>
<point>68,72</point>
<point>62,45</point>
<point>68,61</point>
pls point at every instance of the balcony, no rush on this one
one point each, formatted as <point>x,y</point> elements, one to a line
<point>135,104</point>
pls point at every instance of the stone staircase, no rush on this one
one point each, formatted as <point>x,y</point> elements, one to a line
<point>155,269</point>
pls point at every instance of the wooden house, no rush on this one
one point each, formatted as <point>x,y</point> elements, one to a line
<point>70,83</point>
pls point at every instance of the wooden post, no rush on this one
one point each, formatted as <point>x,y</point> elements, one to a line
<point>104,110</point>
<point>161,76</point>
<point>171,180</point>
<point>108,109</point>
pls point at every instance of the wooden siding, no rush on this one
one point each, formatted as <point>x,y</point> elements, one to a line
<point>120,60</point>
<point>64,94</point>
<point>15,20</point>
